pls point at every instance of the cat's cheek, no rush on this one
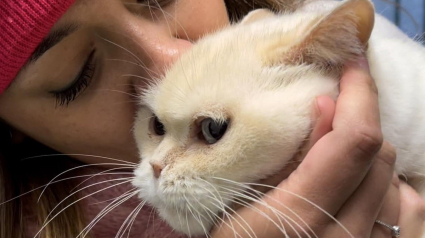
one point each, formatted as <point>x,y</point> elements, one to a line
<point>187,224</point>
<point>143,180</point>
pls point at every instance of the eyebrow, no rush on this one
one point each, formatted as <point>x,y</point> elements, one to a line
<point>51,40</point>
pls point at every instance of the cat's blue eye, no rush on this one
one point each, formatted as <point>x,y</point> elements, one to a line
<point>212,130</point>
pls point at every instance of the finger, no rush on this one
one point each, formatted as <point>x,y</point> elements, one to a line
<point>356,137</point>
<point>361,209</point>
<point>325,110</point>
<point>412,213</point>
<point>389,212</point>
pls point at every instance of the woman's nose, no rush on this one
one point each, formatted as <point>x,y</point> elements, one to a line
<point>164,52</point>
<point>157,46</point>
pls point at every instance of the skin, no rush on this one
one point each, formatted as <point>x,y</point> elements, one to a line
<point>357,176</point>
<point>357,172</point>
<point>105,107</point>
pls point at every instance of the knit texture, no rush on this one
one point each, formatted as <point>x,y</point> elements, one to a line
<point>23,25</point>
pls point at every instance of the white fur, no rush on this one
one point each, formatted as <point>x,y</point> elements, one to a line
<point>270,112</point>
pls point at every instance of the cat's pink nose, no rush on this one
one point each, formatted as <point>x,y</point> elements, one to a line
<point>157,169</point>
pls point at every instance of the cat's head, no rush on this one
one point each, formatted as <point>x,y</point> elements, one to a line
<point>238,107</point>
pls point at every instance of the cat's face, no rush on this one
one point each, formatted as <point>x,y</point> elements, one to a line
<point>227,114</point>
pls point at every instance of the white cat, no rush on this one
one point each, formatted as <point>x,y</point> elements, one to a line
<point>238,105</point>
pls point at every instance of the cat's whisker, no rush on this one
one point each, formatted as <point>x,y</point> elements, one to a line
<point>98,218</point>
<point>198,218</point>
<point>81,155</point>
<point>230,217</point>
<point>215,190</point>
<point>281,227</point>
<point>224,207</point>
<point>73,193</point>
<point>151,214</point>
<point>293,212</point>
<point>136,64</point>
<point>78,167</point>
<point>165,13</point>
<point>124,61</point>
<point>134,219</point>
<point>247,189</point>
<point>280,214</point>
<point>309,202</point>
<point>135,102</point>
<point>259,195</point>
<point>280,203</point>
<point>212,216</point>
<point>125,225</point>
<point>76,201</point>
<point>112,199</point>
<point>114,91</point>
<point>137,76</point>
<point>101,173</point>
<point>245,204</point>
<point>128,51</point>
<point>220,202</point>
<point>178,215</point>
<point>208,211</point>
<point>114,204</point>
<point>151,73</point>
<point>193,215</point>
<point>57,181</point>
<point>187,222</point>
<point>175,20</point>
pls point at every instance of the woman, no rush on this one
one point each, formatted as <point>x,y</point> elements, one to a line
<point>69,71</point>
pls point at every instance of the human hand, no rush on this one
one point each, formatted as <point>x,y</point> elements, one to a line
<point>347,173</point>
<point>412,212</point>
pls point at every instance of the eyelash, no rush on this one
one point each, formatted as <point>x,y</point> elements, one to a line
<point>66,96</point>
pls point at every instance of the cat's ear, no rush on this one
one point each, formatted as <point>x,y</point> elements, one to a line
<point>339,37</point>
<point>256,15</point>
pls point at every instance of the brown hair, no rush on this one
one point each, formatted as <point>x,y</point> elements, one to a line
<point>239,8</point>
<point>18,176</point>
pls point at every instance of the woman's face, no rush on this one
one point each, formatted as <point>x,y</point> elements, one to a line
<point>78,96</point>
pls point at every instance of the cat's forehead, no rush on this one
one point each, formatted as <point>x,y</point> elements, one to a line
<point>224,67</point>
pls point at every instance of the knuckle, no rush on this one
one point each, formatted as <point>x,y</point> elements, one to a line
<point>421,209</point>
<point>419,206</point>
<point>372,85</point>
<point>387,153</point>
<point>412,200</point>
<point>368,140</point>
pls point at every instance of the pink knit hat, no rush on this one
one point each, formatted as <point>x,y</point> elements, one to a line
<point>23,25</point>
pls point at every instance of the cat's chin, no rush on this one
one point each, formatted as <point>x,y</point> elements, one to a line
<point>185,222</point>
